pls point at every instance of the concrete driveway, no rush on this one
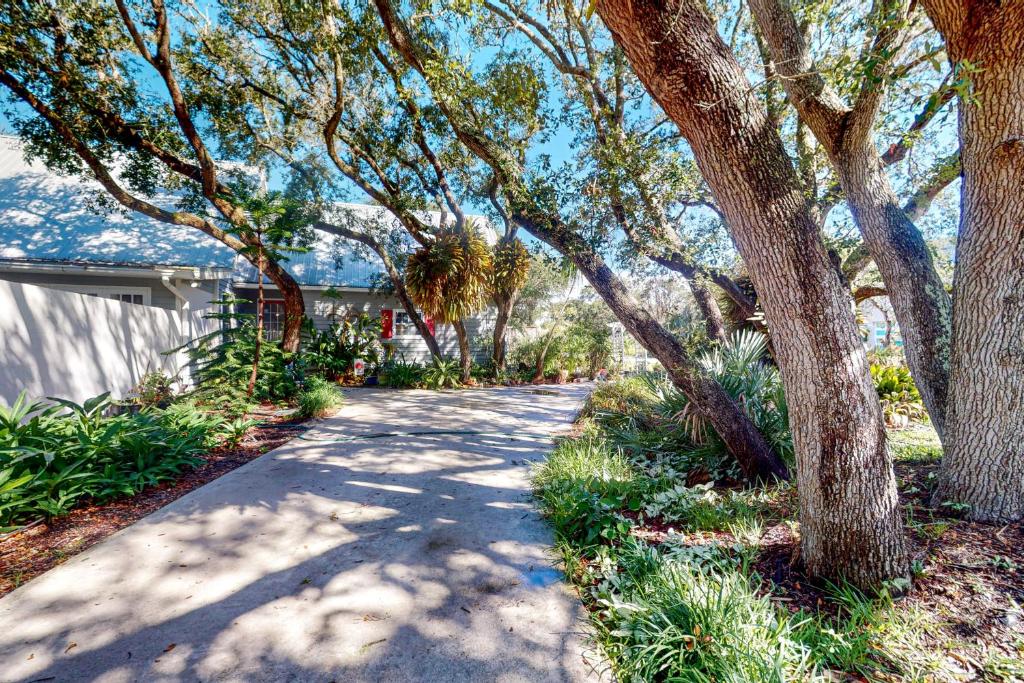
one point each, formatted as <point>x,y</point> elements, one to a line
<point>409,557</point>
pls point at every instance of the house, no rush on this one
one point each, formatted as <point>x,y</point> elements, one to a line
<point>878,324</point>
<point>53,235</point>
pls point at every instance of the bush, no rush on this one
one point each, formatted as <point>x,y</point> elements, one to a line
<point>401,374</point>
<point>583,485</point>
<point>900,399</point>
<point>53,457</point>
<point>223,369</point>
<point>319,398</point>
<point>441,373</point>
<point>154,389</point>
<point>332,352</point>
<point>621,404</point>
<point>654,422</point>
<point>664,619</point>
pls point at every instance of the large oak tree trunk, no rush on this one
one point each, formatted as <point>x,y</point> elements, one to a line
<point>983,464</point>
<point>754,455</point>
<point>849,513</point>
<point>919,298</point>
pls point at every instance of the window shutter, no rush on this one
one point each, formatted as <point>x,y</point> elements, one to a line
<point>429,322</point>
<point>387,323</point>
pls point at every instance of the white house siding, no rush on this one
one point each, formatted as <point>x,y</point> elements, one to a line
<point>354,301</point>
<point>873,313</point>
<point>68,345</point>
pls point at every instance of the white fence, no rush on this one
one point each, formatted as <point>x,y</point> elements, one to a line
<point>74,346</point>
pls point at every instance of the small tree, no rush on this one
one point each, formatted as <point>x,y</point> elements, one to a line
<point>448,278</point>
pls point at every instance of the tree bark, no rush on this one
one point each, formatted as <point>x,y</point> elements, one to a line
<point>983,466</point>
<point>504,313</point>
<point>849,512</point>
<point>465,356</point>
<point>919,298</point>
<point>714,322</point>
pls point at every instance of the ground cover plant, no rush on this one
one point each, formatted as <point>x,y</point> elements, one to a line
<point>55,455</point>
<point>690,574</point>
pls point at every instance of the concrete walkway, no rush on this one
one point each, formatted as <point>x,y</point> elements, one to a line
<point>416,557</point>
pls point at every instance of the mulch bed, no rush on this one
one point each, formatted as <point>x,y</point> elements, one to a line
<point>28,553</point>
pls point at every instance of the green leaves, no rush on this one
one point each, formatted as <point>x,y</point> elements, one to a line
<point>51,460</point>
<point>442,373</point>
<point>448,278</point>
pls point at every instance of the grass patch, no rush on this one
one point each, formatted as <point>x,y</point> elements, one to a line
<point>319,398</point>
<point>668,566</point>
<point>918,443</point>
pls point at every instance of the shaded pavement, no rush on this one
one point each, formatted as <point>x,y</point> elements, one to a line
<point>342,556</point>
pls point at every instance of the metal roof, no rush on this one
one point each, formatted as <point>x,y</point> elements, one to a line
<point>49,218</point>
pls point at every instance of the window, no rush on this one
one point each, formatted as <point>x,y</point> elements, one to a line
<point>126,298</point>
<point>403,324</point>
<point>128,295</point>
<point>273,319</point>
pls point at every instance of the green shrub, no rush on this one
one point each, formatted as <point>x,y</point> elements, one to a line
<point>901,401</point>
<point>398,373</point>
<point>666,619</point>
<point>154,389</point>
<point>583,486</point>
<point>620,404</point>
<point>233,432</point>
<point>54,456</point>
<point>318,398</point>
<point>332,352</point>
<point>223,370</point>
<point>223,363</point>
<point>441,373</point>
<point>654,422</point>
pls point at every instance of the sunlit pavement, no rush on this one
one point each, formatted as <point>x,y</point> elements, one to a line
<point>395,541</point>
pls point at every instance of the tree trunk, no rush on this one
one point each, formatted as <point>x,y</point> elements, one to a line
<point>755,457</point>
<point>919,299</point>
<point>983,466</point>
<point>465,356</point>
<point>849,512</point>
<point>294,305</point>
<point>714,322</point>
<point>504,312</point>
